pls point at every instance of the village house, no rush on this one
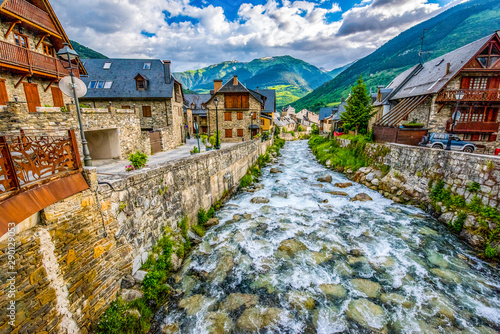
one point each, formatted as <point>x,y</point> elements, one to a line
<point>288,111</point>
<point>266,116</point>
<point>426,95</point>
<point>326,118</point>
<point>306,118</point>
<point>284,123</point>
<point>145,86</point>
<point>196,104</point>
<point>238,108</point>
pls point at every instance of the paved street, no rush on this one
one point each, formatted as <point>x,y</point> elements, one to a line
<point>118,167</point>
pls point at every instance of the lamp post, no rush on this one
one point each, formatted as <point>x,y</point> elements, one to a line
<point>197,136</point>
<point>459,96</point>
<point>251,125</point>
<point>68,54</point>
<point>217,146</point>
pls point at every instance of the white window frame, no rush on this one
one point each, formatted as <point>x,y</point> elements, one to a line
<point>100,84</point>
<point>108,84</point>
<point>146,66</point>
<point>107,65</point>
<point>92,84</point>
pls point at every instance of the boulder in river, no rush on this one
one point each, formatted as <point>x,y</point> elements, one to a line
<point>367,314</point>
<point>212,222</point>
<point>236,300</point>
<point>218,323</point>
<point>317,185</point>
<point>396,299</point>
<point>362,197</point>
<point>275,171</point>
<point>338,193</point>
<point>335,290</point>
<point>369,288</point>
<point>196,303</point>
<point>259,200</point>
<point>326,178</point>
<point>225,264</point>
<point>291,246</point>
<point>194,237</point>
<point>343,185</point>
<point>447,275</point>
<point>127,282</point>
<point>300,300</point>
<point>130,295</point>
<point>255,319</point>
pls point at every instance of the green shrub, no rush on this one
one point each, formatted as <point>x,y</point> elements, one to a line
<point>202,217</point>
<point>195,150</point>
<point>292,133</point>
<point>116,320</point>
<point>300,128</point>
<point>315,130</point>
<point>458,224</point>
<point>211,213</point>
<point>199,229</point>
<point>490,252</point>
<point>475,205</point>
<point>138,159</point>
<point>276,130</point>
<point>474,187</point>
<point>246,181</point>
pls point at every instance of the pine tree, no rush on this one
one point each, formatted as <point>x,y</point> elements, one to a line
<point>358,109</point>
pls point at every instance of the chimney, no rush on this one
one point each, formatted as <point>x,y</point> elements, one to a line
<point>217,85</point>
<point>257,89</point>
<point>448,65</point>
<point>166,68</point>
<point>235,80</point>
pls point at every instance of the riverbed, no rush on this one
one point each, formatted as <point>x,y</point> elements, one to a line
<point>309,261</point>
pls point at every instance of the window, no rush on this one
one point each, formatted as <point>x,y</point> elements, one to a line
<point>57,97</point>
<point>125,107</point>
<point>21,40</point>
<point>261,121</point>
<point>240,132</point>
<point>146,111</point>
<point>254,115</point>
<point>107,65</point>
<point>100,84</point>
<point>477,114</point>
<point>3,93</point>
<point>478,83</point>
<point>92,84</point>
<point>489,56</point>
<point>236,100</point>
<point>227,116</point>
<point>107,84</point>
<point>48,50</point>
<point>147,66</point>
<point>141,84</point>
<point>239,115</point>
<point>229,133</point>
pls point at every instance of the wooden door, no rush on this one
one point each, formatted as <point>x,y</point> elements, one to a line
<point>155,140</point>
<point>32,97</point>
<point>3,93</point>
<point>57,97</point>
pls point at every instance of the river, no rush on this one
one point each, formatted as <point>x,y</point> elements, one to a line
<point>312,262</point>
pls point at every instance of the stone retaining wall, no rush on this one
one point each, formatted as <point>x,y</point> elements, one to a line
<point>413,169</point>
<point>69,266</point>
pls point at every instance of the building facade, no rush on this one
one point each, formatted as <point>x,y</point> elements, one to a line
<point>196,104</point>
<point>426,94</point>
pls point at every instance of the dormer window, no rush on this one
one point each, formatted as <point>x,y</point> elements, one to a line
<point>489,56</point>
<point>147,66</point>
<point>192,105</point>
<point>107,65</point>
<point>141,82</point>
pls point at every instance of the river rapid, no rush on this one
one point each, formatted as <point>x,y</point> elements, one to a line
<point>312,262</point>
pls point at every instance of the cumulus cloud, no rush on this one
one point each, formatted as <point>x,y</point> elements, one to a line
<point>195,36</point>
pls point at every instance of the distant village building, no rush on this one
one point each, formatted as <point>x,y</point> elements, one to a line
<point>284,123</point>
<point>426,94</point>
<point>266,116</point>
<point>196,103</point>
<point>326,118</point>
<point>147,88</point>
<point>239,111</point>
<point>306,118</point>
<point>288,111</point>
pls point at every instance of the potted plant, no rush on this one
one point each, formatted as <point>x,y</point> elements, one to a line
<point>213,140</point>
<point>204,141</point>
<point>194,150</point>
<point>413,125</point>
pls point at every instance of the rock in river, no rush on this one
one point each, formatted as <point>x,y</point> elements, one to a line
<point>291,246</point>
<point>300,300</point>
<point>367,314</point>
<point>275,171</point>
<point>338,193</point>
<point>212,222</point>
<point>225,264</point>
<point>255,319</point>
<point>236,300</point>
<point>343,185</point>
<point>326,178</point>
<point>362,197</point>
<point>196,303</point>
<point>335,290</point>
<point>259,200</point>
<point>369,288</point>
<point>218,323</point>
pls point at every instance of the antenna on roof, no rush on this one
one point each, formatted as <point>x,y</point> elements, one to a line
<point>421,52</point>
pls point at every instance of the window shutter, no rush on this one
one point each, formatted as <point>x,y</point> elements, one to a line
<point>240,132</point>
<point>227,116</point>
<point>240,115</point>
<point>229,133</point>
<point>57,97</point>
<point>494,83</point>
<point>244,101</point>
<point>465,83</point>
<point>3,93</point>
<point>32,97</point>
<point>146,111</point>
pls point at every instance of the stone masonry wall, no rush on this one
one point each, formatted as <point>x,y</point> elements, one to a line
<point>69,267</point>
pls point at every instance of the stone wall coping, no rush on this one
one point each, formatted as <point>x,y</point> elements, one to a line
<point>496,157</point>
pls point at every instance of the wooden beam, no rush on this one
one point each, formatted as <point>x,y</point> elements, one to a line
<point>12,25</point>
<point>22,19</point>
<point>41,40</point>
<point>440,108</point>
<point>20,80</point>
<point>50,84</point>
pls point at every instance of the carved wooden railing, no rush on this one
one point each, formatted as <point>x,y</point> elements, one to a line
<point>481,127</point>
<point>26,160</point>
<point>470,95</point>
<point>33,61</point>
<point>30,12</point>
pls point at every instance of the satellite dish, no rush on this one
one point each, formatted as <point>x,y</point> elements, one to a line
<point>67,88</point>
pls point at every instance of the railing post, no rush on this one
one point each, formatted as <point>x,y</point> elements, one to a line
<point>74,147</point>
<point>11,172</point>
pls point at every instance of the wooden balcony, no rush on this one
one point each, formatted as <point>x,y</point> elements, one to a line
<point>488,95</point>
<point>473,127</point>
<point>29,12</point>
<point>33,62</point>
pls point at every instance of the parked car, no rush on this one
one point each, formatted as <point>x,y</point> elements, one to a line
<point>440,140</point>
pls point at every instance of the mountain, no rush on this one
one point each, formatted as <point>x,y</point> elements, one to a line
<point>336,71</point>
<point>455,27</point>
<point>85,52</point>
<point>292,78</point>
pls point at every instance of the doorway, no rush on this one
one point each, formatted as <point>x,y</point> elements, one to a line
<point>103,144</point>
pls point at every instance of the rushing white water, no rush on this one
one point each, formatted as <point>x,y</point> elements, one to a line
<point>420,278</point>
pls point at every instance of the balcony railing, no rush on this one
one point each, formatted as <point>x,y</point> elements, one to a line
<point>492,95</point>
<point>33,159</point>
<point>32,61</point>
<point>31,13</point>
<point>473,127</point>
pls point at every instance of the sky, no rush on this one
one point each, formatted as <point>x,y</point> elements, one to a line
<point>197,33</point>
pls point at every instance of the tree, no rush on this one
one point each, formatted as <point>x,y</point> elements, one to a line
<point>358,109</point>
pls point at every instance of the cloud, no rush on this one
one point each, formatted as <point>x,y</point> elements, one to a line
<point>196,36</point>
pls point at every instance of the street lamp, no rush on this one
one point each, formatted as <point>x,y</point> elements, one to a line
<point>68,54</point>
<point>251,125</point>
<point>459,96</point>
<point>217,146</point>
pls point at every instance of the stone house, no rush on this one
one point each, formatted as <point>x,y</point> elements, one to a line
<point>145,86</point>
<point>288,111</point>
<point>239,111</point>
<point>426,94</point>
<point>284,123</point>
<point>196,104</point>
<point>306,118</point>
<point>266,116</point>
<point>326,118</point>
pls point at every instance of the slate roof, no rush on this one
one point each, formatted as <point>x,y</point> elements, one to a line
<point>340,111</point>
<point>122,72</point>
<point>270,94</point>
<point>325,112</point>
<point>432,77</point>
